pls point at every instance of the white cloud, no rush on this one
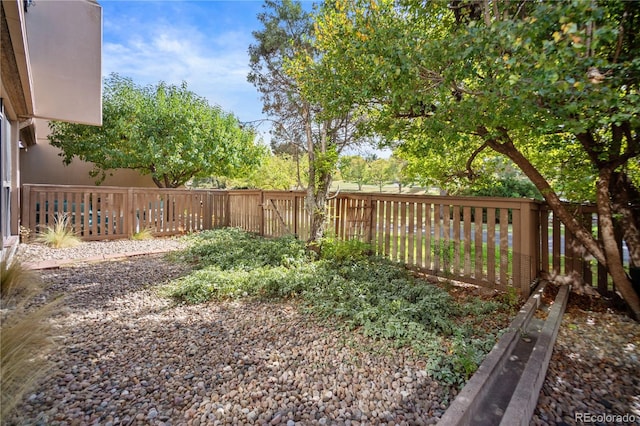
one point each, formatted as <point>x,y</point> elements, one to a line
<point>214,67</point>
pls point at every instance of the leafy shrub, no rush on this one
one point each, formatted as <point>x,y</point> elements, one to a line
<point>344,250</point>
<point>232,248</point>
<point>213,283</point>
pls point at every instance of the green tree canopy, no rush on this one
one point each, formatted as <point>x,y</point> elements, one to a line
<point>380,172</point>
<point>553,86</point>
<point>165,131</point>
<point>277,172</point>
<point>353,168</point>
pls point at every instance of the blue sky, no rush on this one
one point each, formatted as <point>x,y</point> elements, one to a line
<point>204,43</point>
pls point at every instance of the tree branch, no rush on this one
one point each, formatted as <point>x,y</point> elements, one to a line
<point>505,146</point>
<point>590,145</point>
<point>620,40</point>
<point>486,12</point>
<point>470,174</point>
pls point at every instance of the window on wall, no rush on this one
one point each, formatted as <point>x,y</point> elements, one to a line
<point>5,174</point>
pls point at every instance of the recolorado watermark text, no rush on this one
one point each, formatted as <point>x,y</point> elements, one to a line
<point>606,418</point>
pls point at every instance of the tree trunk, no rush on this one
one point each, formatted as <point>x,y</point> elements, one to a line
<point>611,250</point>
<point>626,204</point>
<point>608,255</point>
<point>317,187</point>
<point>316,203</point>
<point>581,233</point>
<point>157,181</point>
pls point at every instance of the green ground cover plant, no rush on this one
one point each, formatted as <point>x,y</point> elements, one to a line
<point>346,286</point>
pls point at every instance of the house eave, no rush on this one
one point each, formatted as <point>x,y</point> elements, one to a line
<point>65,47</point>
<point>17,79</point>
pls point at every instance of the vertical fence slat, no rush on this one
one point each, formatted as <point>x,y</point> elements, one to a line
<point>44,211</point>
<point>456,239</point>
<point>544,240</point>
<point>387,230</point>
<point>478,231</point>
<point>402,258</point>
<point>428,213</point>
<point>437,240</point>
<point>466,215</point>
<point>86,208</point>
<point>381,226</point>
<point>556,250</point>
<point>516,261</point>
<point>603,278</point>
<point>568,252</point>
<point>395,220</point>
<point>504,247</point>
<point>491,245</point>
<point>412,230</point>
<point>446,246</point>
<point>419,239</point>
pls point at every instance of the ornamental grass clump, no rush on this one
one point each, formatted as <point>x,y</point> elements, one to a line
<point>142,235</point>
<point>25,334</point>
<point>60,235</point>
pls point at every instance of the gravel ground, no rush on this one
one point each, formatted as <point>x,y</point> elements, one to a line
<point>594,373</point>
<point>125,355</point>
<point>90,249</point>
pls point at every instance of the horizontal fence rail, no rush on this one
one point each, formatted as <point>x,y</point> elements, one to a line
<point>493,242</point>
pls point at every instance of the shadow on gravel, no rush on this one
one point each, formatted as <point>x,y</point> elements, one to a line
<point>93,285</point>
<point>595,366</point>
<point>131,357</point>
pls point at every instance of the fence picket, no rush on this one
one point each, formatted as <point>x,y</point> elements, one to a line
<point>491,245</point>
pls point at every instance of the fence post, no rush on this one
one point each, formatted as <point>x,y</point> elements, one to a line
<point>528,252</point>
<point>25,203</point>
<point>370,206</point>
<point>536,226</point>
<point>129,221</point>
<point>261,212</point>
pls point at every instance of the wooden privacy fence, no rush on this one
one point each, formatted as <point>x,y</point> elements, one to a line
<point>564,259</point>
<point>492,242</point>
<point>484,241</point>
<point>96,213</point>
